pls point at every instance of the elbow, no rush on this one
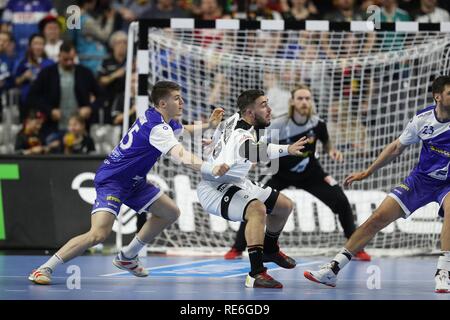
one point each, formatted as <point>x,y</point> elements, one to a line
<point>397,148</point>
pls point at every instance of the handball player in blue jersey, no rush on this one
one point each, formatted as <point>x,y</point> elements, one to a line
<point>122,179</point>
<point>428,182</point>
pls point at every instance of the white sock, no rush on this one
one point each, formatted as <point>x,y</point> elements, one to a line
<point>52,263</point>
<point>133,248</point>
<point>342,258</point>
<point>444,261</point>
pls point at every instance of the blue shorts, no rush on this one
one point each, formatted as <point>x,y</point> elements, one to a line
<point>417,191</point>
<point>111,195</point>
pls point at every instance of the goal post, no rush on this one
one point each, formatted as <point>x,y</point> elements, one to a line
<point>366,84</point>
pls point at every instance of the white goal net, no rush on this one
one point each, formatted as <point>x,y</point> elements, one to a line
<point>365,85</point>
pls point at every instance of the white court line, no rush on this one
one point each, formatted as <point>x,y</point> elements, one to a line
<point>273,292</point>
<point>12,290</point>
<point>82,277</point>
<point>102,291</point>
<point>160,267</point>
<point>279,268</point>
<point>218,279</point>
<point>142,291</point>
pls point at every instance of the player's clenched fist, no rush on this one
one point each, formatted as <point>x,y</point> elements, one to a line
<point>220,170</point>
<point>294,149</point>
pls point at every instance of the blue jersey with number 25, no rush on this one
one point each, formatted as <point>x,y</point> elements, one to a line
<point>131,160</point>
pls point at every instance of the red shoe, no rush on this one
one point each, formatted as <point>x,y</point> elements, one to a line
<point>262,280</point>
<point>362,256</point>
<point>233,254</point>
<point>280,258</point>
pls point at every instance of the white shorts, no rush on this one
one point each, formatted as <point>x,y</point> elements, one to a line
<point>231,200</point>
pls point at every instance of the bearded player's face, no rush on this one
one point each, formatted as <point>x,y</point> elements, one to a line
<point>262,112</point>
<point>302,102</point>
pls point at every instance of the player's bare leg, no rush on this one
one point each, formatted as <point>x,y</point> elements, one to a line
<point>443,267</point>
<point>255,215</point>
<point>164,213</point>
<point>276,221</point>
<point>101,226</point>
<point>387,212</point>
<point>256,220</point>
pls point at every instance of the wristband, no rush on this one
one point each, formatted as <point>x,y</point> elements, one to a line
<point>207,168</point>
<point>277,150</point>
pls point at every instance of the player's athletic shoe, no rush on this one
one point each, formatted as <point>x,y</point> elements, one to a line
<point>233,254</point>
<point>41,276</point>
<point>324,275</point>
<point>441,279</point>
<point>361,256</point>
<point>134,266</point>
<point>280,259</point>
<point>262,280</point>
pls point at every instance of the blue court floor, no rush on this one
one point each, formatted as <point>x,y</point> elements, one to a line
<point>200,278</point>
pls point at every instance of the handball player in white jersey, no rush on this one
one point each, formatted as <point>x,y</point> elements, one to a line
<point>236,143</point>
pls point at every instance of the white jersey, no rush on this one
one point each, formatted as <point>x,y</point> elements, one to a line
<point>435,136</point>
<point>227,139</point>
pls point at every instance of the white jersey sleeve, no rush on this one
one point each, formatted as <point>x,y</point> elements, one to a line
<point>163,138</point>
<point>410,134</point>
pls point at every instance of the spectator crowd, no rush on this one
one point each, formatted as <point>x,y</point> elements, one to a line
<point>69,79</point>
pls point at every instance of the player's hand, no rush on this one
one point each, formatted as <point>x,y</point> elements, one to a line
<point>294,149</point>
<point>206,142</point>
<point>220,170</point>
<point>336,155</point>
<point>356,176</point>
<point>215,117</point>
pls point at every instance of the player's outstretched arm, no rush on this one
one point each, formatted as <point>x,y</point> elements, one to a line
<point>181,155</point>
<point>262,152</point>
<point>214,119</point>
<point>392,151</point>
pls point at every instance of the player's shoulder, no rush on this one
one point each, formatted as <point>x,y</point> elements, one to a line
<point>242,125</point>
<point>316,120</point>
<point>426,112</point>
<point>423,116</point>
<point>175,125</point>
<point>153,122</point>
<point>152,118</point>
<point>242,131</point>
